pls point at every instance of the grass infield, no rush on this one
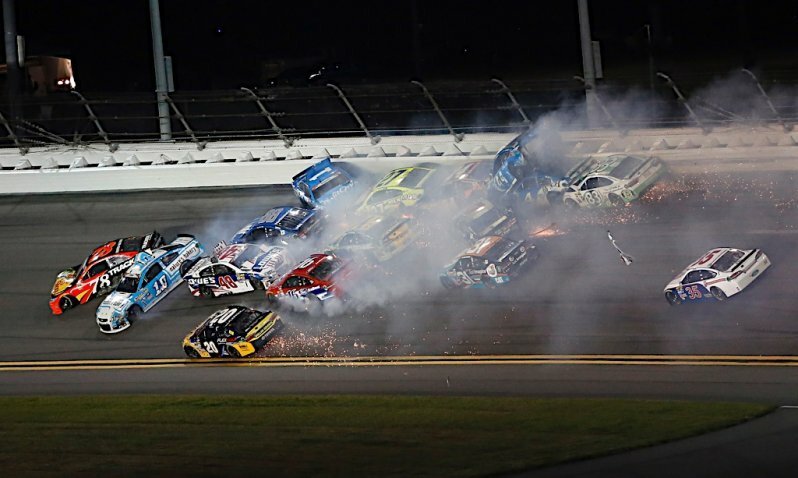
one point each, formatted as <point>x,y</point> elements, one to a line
<point>346,436</point>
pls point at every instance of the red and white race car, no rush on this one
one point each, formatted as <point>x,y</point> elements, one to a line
<point>314,280</point>
<point>718,274</point>
<point>99,273</point>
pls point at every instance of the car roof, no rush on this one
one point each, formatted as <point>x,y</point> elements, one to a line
<point>482,246</point>
<point>409,177</point>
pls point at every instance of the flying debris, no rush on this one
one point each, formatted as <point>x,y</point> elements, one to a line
<point>626,258</point>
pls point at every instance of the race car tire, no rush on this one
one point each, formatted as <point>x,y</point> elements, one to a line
<point>447,282</point>
<point>272,300</point>
<point>718,294</point>
<point>191,352</point>
<point>256,284</point>
<point>233,352</point>
<point>571,204</point>
<point>314,304</point>
<point>67,302</point>
<point>133,313</point>
<point>206,291</point>
<point>554,198</point>
<point>672,298</point>
<point>615,200</point>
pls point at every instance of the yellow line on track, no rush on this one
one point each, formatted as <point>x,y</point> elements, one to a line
<point>425,360</point>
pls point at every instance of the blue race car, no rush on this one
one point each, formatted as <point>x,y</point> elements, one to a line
<point>151,277</point>
<point>278,223</point>
<point>319,184</point>
<point>519,173</point>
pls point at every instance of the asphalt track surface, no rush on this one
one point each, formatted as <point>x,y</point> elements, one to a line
<point>577,299</point>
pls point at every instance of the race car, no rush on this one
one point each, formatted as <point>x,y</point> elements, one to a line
<point>484,219</point>
<point>611,181</point>
<point>491,261</point>
<point>469,181</point>
<point>319,184</point>
<point>151,277</point>
<point>717,275</point>
<point>99,273</point>
<point>278,224</point>
<point>237,268</point>
<point>234,331</point>
<point>530,161</point>
<point>314,280</point>
<point>402,187</point>
<point>378,238</point>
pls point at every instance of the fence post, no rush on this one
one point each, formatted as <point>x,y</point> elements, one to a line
<point>457,136</point>
<point>22,149</point>
<point>270,118</point>
<point>111,146</point>
<point>683,101</point>
<point>601,104</point>
<point>787,128</point>
<point>506,90</point>
<point>372,138</point>
<point>200,144</point>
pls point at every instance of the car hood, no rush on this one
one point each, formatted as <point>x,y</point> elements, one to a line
<point>116,302</point>
<point>63,281</point>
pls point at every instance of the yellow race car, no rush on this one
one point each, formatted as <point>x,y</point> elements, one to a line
<point>402,187</point>
<point>378,238</point>
<point>235,331</point>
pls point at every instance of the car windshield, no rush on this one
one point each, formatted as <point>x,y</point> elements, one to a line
<point>498,249</point>
<point>246,256</point>
<point>132,244</point>
<point>325,269</point>
<point>727,260</point>
<point>128,284</point>
<point>383,195</point>
<point>485,220</point>
<point>625,168</point>
<point>337,180</point>
<point>414,177</point>
<point>244,322</point>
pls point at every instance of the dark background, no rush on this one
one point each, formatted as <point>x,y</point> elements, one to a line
<point>218,45</point>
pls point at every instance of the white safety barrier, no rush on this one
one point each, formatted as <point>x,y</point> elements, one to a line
<point>253,163</point>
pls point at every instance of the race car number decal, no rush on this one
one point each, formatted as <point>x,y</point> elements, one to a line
<point>226,281</point>
<point>210,347</point>
<point>692,292</point>
<point>592,197</point>
<point>160,285</point>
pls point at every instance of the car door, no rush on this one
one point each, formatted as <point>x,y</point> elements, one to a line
<point>155,284</point>
<point>593,190</point>
<point>296,286</point>
<point>228,280</point>
<point>693,285</point>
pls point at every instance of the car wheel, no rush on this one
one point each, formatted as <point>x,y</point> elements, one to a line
<point>447,282</point>
<point>673,298</point>
<point>718,294</point>
<point>67,302</point>
<point>272,300</point>
<point>571,204</point>
<point>191,352</point>
<point>314,304</point>
<point>256,284</point>
<point>133,313</point>
<point>205,291</point>
<point>615,200</point>
<point>554,199</point>
<point>233,352</point>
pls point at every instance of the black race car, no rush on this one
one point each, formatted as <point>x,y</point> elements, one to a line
<point>491,261</point>
<point>235,331</point>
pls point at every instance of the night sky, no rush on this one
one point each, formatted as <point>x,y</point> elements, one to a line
<point>216,44</point>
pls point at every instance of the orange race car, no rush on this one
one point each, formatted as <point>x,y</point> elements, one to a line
<point>99,273</point>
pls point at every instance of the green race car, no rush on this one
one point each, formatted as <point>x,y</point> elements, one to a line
<point>402,187</point>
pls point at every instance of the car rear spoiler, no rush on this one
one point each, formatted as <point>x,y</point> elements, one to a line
<point>314,168</point>
<point>580,169</point>
<point>745,258</point>
<point>648,162</point>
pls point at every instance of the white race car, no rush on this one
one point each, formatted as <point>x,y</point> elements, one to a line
<point>237,268</point>
<point>718,274</point>
<point>612,181</point>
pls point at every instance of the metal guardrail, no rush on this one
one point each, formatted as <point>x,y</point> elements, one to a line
<point>456,109</point>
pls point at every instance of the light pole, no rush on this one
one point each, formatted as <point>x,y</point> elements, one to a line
<point>587,63</point>
<point>160,72</point>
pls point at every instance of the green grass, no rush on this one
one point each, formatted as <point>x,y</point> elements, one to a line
<point>333,435</point>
